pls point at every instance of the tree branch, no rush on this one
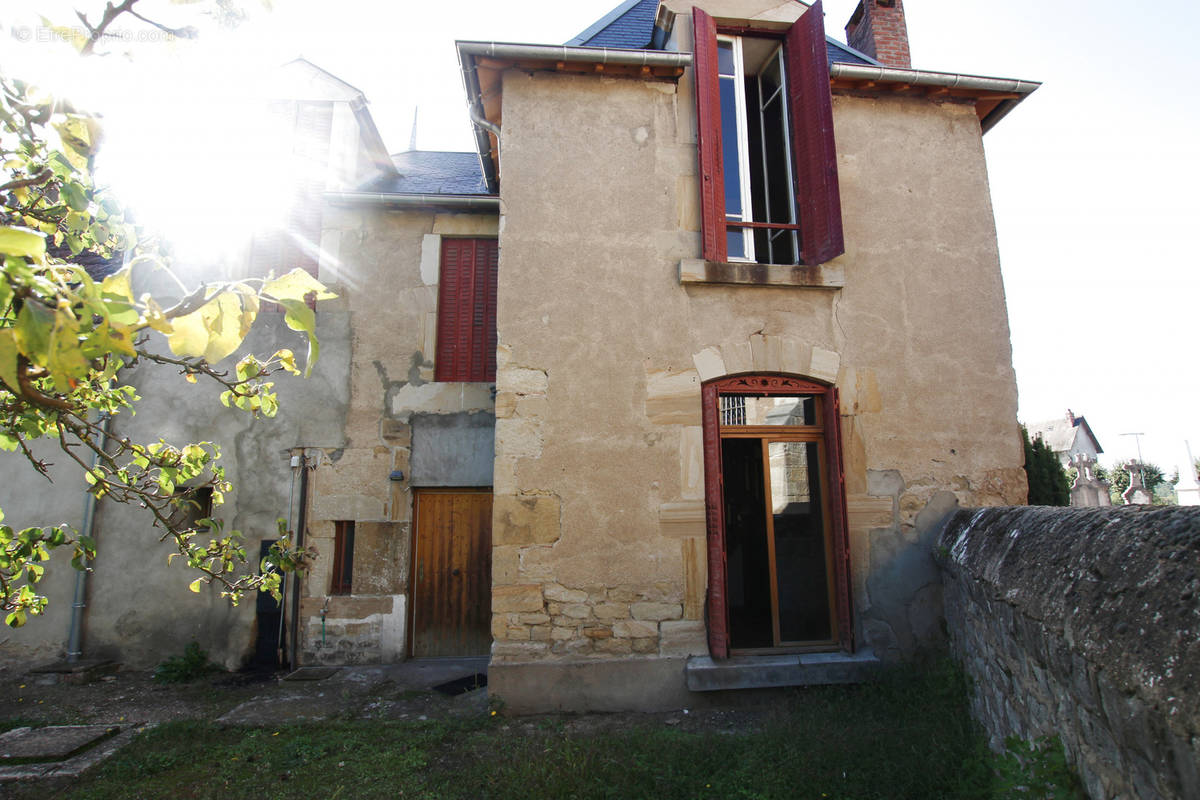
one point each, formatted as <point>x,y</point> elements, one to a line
<point>38,179</point>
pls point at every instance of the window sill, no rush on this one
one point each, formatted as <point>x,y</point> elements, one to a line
<point>822,276</point>
<point>761,672</point>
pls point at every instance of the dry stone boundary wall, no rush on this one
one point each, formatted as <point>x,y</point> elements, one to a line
<point>1084,623</point>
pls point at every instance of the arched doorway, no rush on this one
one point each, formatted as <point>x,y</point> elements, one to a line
<point>777,545</point>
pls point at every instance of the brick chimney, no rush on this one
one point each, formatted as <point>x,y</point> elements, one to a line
<point>877,28</point>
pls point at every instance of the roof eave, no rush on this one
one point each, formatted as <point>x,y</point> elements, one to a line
<point>999,95</point>
<point>460,202</point>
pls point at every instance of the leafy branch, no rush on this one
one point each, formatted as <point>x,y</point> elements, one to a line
<point>66,338</point>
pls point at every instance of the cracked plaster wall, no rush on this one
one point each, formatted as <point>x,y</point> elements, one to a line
<point>390,260</point>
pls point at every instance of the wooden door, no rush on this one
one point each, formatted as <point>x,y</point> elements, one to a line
<point>452,574</point>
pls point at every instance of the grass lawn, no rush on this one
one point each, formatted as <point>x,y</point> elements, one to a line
<point>906,737</point>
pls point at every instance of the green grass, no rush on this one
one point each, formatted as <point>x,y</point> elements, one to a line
<point>908,736</point>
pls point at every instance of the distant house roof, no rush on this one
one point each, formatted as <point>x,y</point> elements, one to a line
<point>631,26</point>
<point>1061,434</point>
<point>431,172</point>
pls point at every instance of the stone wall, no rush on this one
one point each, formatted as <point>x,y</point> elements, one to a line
<point>1085,624</point>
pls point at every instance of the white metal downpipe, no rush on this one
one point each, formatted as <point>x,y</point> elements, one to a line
<point>87,528</point>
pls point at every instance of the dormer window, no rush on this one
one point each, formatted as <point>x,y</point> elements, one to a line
<point>769,189</point>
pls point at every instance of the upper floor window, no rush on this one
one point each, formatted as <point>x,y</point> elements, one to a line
<point>769,189</point>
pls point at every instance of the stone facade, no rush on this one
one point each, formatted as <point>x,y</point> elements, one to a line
<point>607,334</point>
<point>1082,623</point>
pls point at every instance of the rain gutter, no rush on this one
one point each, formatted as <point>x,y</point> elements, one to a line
<point>460,202</point>
<point>945,80</point>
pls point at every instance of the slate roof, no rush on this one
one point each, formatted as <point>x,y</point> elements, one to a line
<point>631,26</point>
<point>432,172</point>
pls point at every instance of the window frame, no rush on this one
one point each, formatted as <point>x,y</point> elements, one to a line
<point>817,202</point>
<point>717,606</point>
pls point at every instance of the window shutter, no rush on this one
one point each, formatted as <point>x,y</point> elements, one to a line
<point>708,135</point>
<point>838,518</point>
<point>466,324</point>
<point>818,201</point>
<point>490,262</point>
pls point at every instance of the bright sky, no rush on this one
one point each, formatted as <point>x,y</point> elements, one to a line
<point>1093,177</point>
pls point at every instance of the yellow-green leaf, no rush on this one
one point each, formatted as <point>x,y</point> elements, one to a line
<point>75,196</point>
<point>66,363</point>
<point>8,360</point>
<point>32,331</point>
<point>213,331</point>
<point>155,317</point>
<point>223,319</point>
<point>296,285</point>
<point>195,585</point>
<point>117,284</point>
<point>187,336</point>
<point>300,317</point>
<point>16,241</point>
<point>80,134</point>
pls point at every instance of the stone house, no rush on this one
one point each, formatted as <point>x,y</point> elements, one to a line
<point>663,390</point>
<point>1069,437</point>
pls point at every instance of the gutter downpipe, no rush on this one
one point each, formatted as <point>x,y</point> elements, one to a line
<point>79,603</point>
<point>301,521</point>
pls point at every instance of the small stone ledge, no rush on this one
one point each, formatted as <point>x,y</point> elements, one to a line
<point>821,276</point>
<point>764,672</point>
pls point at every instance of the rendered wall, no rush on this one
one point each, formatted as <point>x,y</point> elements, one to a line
<point>599,523</point>
<point>138,609</point>
<point>1083,624</point>
<point>352,420</point>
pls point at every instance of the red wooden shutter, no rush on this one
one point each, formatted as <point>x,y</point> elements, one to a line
<point>818,201</point>
<point>838,517</point>
<point>466,325</point>
<point>717,605</point>
<point>708,136</point>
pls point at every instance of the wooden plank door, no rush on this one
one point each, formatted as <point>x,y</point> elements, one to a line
<point>452,574</point>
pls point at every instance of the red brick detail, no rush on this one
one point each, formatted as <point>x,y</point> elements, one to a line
<point>877,28</point>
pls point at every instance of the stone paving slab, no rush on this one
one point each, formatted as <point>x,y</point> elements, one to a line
<point>52,743</point>
<point>75,765</point>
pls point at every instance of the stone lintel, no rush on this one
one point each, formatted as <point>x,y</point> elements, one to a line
<point>760,672</point>
<point>821,276</point>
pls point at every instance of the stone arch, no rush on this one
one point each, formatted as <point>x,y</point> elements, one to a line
<point>768,354</point>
